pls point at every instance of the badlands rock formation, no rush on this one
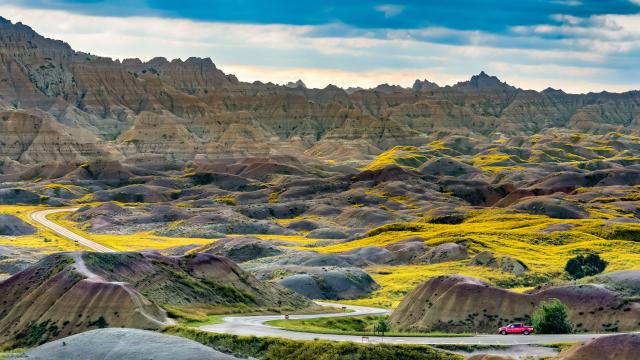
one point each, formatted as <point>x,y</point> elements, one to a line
<point>615,347</point>
<point>14,226</point>
<point>464,304</point>
<point>67,293</point>
<point>58,105</point>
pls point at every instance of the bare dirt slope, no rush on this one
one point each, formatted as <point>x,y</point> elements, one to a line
<point>615,347</point>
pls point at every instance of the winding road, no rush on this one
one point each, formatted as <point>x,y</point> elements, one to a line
<point>255,325</point>
<point>41,218</point>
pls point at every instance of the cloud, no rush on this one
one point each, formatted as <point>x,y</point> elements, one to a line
<point>390,10</point>
<point>601,33</point>
<point>568,2</point>
<point>484,15</point>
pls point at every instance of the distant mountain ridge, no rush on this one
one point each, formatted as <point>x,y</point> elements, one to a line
<point>59,105</point>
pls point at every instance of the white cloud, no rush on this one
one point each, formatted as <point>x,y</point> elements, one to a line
<point>614,32</point>
<point>569,2</point>
<point>390,10</point>
<point>146,37</point>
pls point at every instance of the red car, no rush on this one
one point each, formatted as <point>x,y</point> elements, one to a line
<point>516,329</point>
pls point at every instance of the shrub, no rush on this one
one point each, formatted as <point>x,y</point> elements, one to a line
<point>100,323</point>
<point>401,226</point>
<point>227,199</point>
<point>581,266</point>
<point>383,326</point>
<point>551,318</point>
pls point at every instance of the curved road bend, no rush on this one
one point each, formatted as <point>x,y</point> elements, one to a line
<point>41,218</point>
<point>254,325</point>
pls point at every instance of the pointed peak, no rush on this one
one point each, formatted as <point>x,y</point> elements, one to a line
<point>386,88</point>
<point>551,90</point>
<point>350,90</point>
<point>18,26</point>
<point>296,85</point>
<point>484,75</point>
<point>424,85</point>
<point>334,90</point>
<point>13,33</point>
<point>483,81</point>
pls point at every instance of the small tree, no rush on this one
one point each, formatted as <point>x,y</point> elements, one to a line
<point>100,323</point>
<point>581,266</point>
<point>383,326</point>
<point>551,318</point>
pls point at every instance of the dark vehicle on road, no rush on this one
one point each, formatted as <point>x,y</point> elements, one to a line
<point>516,329</point>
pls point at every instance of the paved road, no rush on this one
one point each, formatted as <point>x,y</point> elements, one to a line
<point>254,325</point>
<point>41,218</point>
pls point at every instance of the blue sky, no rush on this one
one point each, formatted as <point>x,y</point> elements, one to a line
<point>577,45</point>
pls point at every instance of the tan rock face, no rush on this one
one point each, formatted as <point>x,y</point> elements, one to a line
<point>31,137</point>
<point>185,110</point>
<point>464,304</point>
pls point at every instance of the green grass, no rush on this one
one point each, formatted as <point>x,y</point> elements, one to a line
<point>11,353</point>
<point>196,315</point>
<point>351,325</point>
<point>210,320</point>
<point>268,348</point>
<point>563,346</point>
<point>469,348</point>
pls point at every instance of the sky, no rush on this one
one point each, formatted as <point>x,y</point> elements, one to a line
<point>575,45</point>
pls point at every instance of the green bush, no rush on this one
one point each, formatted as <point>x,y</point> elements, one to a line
<point>581,266</point>
<point>100,323</point>
<point>325,350</point>
<point>383,326</point>
<point>551,318</point>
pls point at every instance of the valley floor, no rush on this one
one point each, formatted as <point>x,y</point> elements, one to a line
<point>520,236</point>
